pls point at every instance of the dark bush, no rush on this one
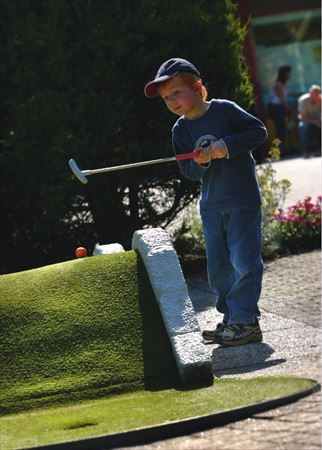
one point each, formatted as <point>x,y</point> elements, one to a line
<point>72,78</point>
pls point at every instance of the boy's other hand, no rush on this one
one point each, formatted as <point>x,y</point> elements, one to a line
<point>219,150</point>
<point>204,156</point>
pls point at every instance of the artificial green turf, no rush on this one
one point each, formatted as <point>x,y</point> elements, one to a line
<point>90,328</point>
<point>81,329</point>
<point>139,409</point>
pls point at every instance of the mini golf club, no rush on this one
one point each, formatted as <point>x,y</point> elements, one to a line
<point>83,174</point>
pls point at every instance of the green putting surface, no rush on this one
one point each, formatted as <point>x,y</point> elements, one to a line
<point>81,329</point>
<point>140,409</point>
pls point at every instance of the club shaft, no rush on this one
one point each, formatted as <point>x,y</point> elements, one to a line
<point>128,166</point>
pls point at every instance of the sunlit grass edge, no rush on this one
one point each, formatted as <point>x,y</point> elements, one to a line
<point>140,409</point>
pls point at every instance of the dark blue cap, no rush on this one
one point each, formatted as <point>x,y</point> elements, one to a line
<point>168,70</point>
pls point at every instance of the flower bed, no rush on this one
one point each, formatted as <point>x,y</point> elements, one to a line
<point>299,227</point>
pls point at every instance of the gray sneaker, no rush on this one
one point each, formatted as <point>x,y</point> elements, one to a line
<point>208,335</point>
<point>238,334</point>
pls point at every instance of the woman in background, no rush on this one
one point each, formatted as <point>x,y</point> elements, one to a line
<point>278,109</point>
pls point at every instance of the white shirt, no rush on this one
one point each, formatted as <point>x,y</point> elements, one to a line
<point>312,111</point>
<point>274,98</point>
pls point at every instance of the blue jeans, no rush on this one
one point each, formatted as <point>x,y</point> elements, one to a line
<point>307,130</point>
<point>277,114</point>
<point>234,261</point>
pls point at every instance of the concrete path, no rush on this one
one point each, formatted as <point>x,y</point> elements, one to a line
<point>304,174</point>
<point>290,305</point>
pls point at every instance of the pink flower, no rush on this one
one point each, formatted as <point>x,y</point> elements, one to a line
<point>289,218</point>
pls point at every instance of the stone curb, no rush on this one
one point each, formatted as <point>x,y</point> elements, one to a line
<point>161,261</point>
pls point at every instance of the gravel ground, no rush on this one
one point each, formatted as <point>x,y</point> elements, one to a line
<point>291,317</point>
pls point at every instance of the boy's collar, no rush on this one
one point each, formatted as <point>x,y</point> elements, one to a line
<point>207,106</point>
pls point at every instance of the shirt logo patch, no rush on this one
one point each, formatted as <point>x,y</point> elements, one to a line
<point>205,141</point>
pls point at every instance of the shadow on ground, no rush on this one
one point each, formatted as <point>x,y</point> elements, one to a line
<point>243,359</point>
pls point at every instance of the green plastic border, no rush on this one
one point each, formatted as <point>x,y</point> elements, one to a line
<point>148,435</point>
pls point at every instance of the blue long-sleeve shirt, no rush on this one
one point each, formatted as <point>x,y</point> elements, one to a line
<point>226,183</point>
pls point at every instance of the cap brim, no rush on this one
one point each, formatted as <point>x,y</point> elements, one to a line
<point>151,89</point>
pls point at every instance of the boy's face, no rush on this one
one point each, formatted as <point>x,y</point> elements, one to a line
<point>180,98</point>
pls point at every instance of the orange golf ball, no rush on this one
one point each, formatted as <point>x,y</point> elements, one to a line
<point>80,252</point>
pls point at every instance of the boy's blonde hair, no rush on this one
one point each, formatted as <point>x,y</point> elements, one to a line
<point>189,79</point>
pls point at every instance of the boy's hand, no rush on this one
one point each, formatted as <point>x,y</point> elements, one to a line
<point>218,150</point>
<point>204,156</point>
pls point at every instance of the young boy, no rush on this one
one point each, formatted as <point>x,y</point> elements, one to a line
<point>230,204</point>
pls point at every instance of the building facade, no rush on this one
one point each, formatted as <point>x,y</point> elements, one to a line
<point>282,32</point>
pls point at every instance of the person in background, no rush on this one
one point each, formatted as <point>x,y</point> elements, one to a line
<point>309,113</point>
<point>278,109</point>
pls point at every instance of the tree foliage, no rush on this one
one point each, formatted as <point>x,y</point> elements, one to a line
<point>72,78</point>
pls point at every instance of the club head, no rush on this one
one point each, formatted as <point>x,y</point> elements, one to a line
<point>77,172</point>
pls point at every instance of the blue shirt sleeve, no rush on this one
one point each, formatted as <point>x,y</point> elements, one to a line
<point>248,131</point>
<point>189,168</point>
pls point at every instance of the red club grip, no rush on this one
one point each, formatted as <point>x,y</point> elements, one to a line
<point>191,155</point>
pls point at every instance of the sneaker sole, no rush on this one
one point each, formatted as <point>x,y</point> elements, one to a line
<point>209,335</point>
<point>247,340</point>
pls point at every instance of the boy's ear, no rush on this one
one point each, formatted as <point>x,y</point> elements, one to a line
<point>198,85</point>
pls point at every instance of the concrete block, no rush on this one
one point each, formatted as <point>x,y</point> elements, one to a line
<point>192,356</point>
<point>170,278</point>
<point>171,292</point>
<point>156,248</point>
<point>178,313</point>
<point>107,248</point>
